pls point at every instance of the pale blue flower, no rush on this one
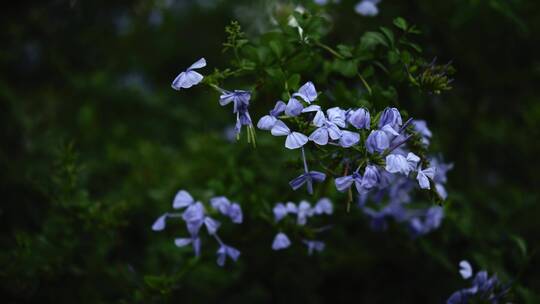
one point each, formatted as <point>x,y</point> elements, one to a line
<point>225,207</point>
<point>348,139</point>
<point>397,163</point>
<point>390,116</point>
<point>225,251</point>
<point>367,8</point>
<point>189,78</point>
<point>328,127</point>
<point>323,206</point>
<point>159,224</point>
<point>182,199</point>
<point>345,182</point>
<point>420,126</point>
<point>359,118</point>
<point>307,92</point>
<point>281,241</point>
<point>294,140</point>
<point>423,176</point>
<point>304,211</point>
<point>194,241</point>
<point>465,269</point>
<point>377,141</point>
<point>371,177</point>
<point>280,211</point>
<point>309,178</point>
<point>293,107</point>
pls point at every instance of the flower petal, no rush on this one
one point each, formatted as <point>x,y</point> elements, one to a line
<point>295,140</point>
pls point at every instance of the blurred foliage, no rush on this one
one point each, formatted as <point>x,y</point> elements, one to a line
<point>95,144</point>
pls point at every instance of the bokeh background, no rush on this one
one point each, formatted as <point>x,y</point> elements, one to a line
<point>95,143</point>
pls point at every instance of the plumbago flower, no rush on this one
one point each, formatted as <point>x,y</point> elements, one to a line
<point>240,100</point>
<point>189,77</point>
<point>483,287</point>
<point>301,212</point>
<point>195,216</point>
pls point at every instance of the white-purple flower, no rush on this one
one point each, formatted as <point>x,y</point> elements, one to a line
<point>424,176</point>
<point>359,118</point>
<point>225,251</point>
<point>268,121</point>
<point>313,246</point>
<point>390,116</point>
<point>189,77</point>
<point>377,141</point>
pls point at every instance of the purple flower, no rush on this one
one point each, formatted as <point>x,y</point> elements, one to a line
<point>359,118</point>
<point>308,178</point>
<point>194,217</point>
<point>371,177</point>
<point>377,141</point>
<point>396,163</point>
<point>225,207</point>
<point>294,107</point>
<point>390,116</point>
<point>159,224</point>
<point>323,206</point>
<point>328,127</point>
<point>348,139</point>
<point>307,92</point>
<point>313,245</point>
<point>225,251</point>
<point>304,211</point>
<point>432,220</point>
<point>345,182</point>
<point>423,176</point>
<point>237,97</point>
<point>465,269</point>
<point>367,8</point>
<point>189,78</point>
<point>182,199</point>
<point>294,140</point>
<point>280,211</point>
<point>281,241</point>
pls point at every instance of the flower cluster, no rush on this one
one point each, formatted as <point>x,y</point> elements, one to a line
<point>301,212</point>
<point>387,168</point>
<point>195,216</point>
<point>482,287</point>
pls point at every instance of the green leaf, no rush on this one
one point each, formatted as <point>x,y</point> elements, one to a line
<point>520,242</point>
<point>389,35</point>
<point>347,68</point>
<point>371,40</point>
<point>345,50</point>
<point>276,47</point>
<point>293,81</point>
<point>393,57</point>
<point>401,23</point>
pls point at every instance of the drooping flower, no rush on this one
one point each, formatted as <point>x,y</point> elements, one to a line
<point>359,118</point>
<point>309,177</point>
<point>240,100</point>
<point>420,126</point>
<point>294,140</point>
<point>377,141</point>
<point>345,182</point>
<point>423,176</point>
<point>431,220</point>
<point>367,8</point>
<point>189,77</point>
<point>281,241</point>
<point>194,217</point>
<point>390,116</point>
<point>371,177</point>
<point>225,251</point>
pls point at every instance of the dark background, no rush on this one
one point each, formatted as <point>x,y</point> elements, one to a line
<point>95,144</point>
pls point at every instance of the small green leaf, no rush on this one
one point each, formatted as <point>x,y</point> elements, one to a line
<point>293,81</point>
<point>389,35</point>
<point>401,23</point>
<point>370,40</point>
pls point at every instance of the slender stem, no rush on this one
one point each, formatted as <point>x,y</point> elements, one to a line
<point>329,49</point>
<point>368,88</point>
<point>304,159</point>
